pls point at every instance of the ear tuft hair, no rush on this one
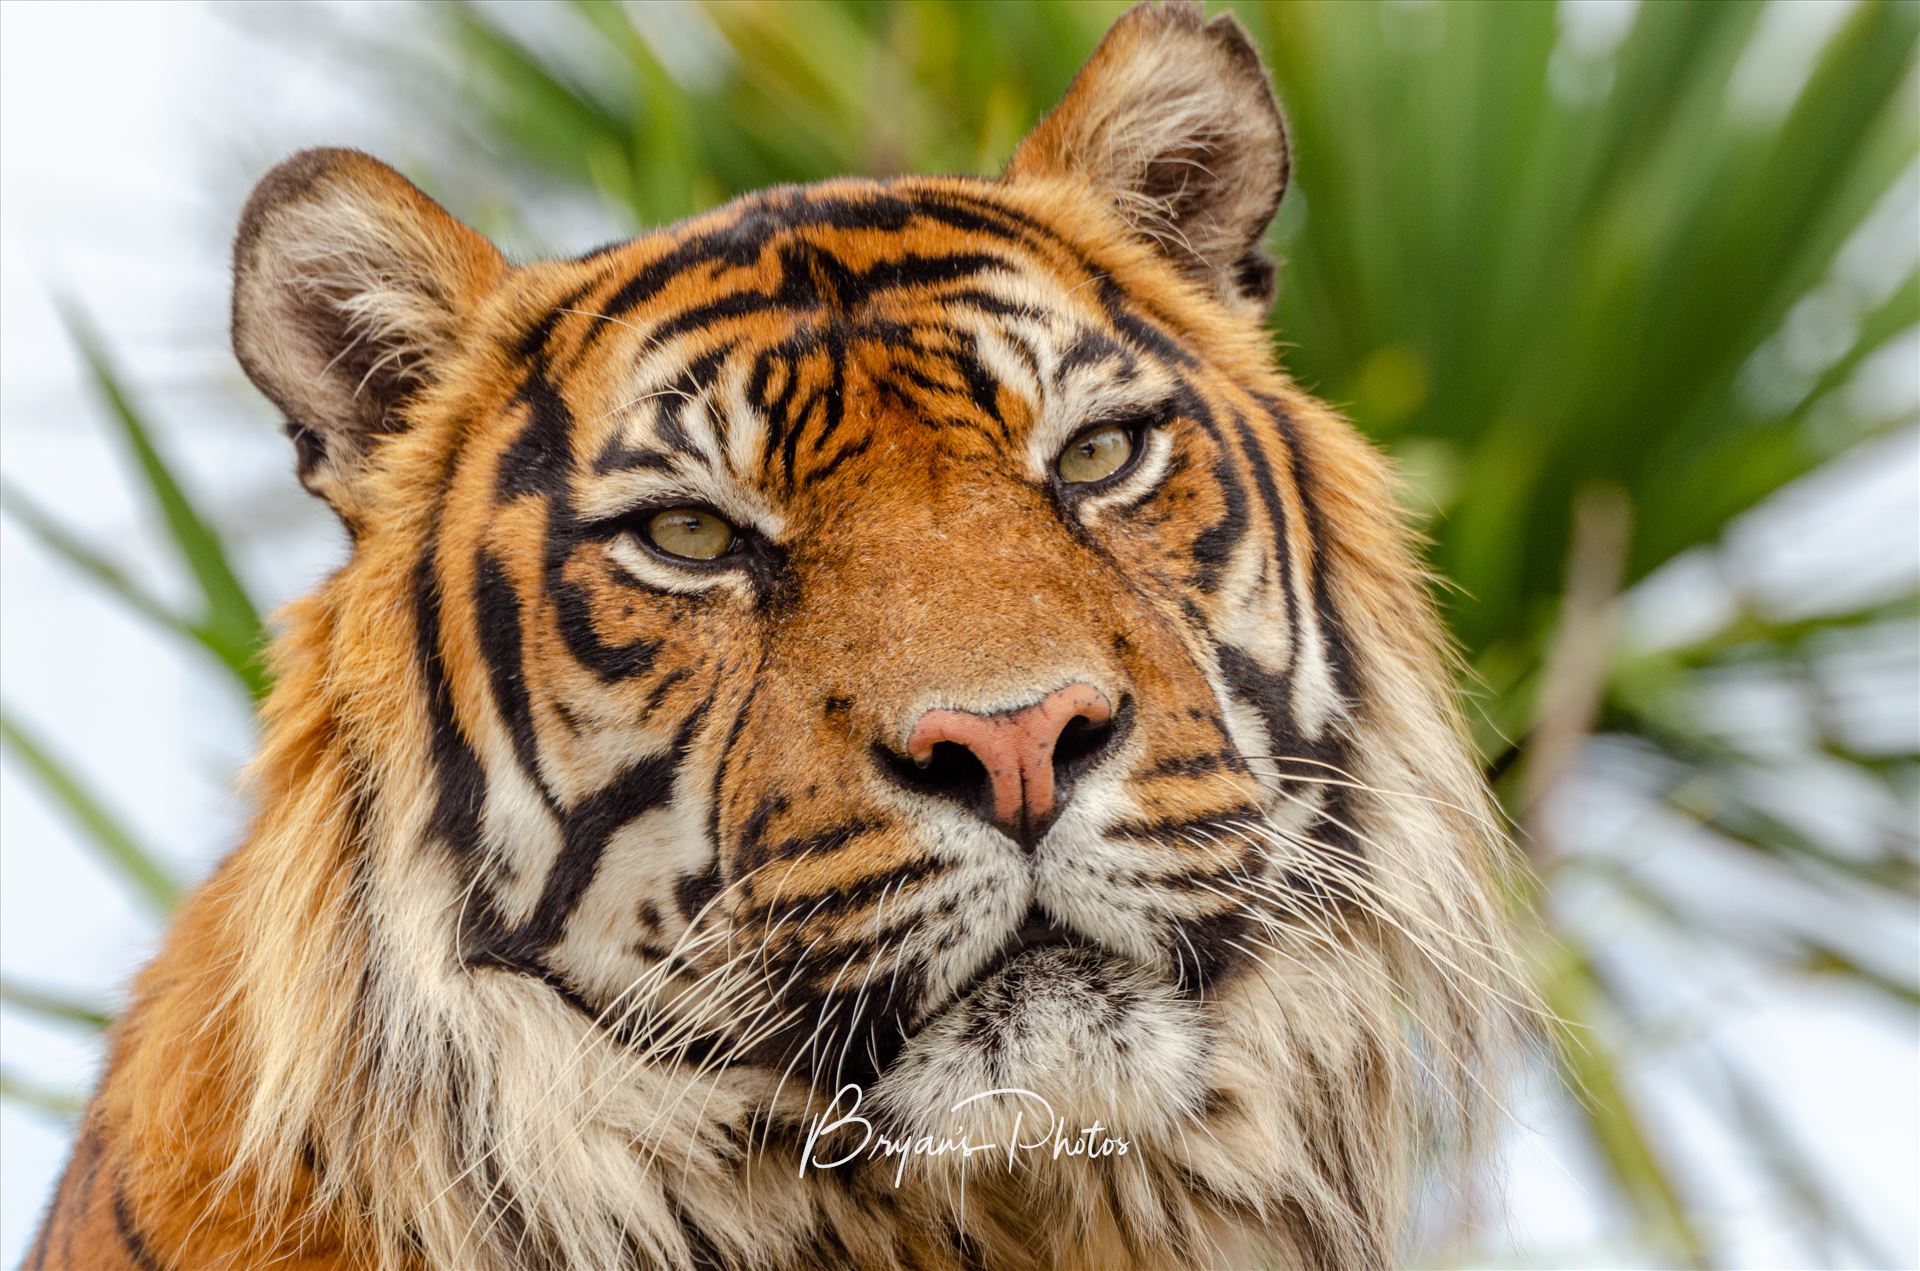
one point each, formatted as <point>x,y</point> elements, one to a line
<point>1174,121</point>
<point>349,287</point>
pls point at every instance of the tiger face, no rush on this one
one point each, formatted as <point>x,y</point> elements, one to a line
<point>897,633</point>
<point>863,607</point>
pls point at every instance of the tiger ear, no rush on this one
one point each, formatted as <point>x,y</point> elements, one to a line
<point>350,287</point>
<point>1174,121</point>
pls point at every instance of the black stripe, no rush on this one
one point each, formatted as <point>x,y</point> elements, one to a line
<point>539,463</point>
<point>841,1034</point>
<point>742,304</point>
<point>586,830</point>
<point>138,1251</point>
<point>1089,348</point>
<point>1209,948</point>
<point>983,214</point>
<point>688,385</point>
<point>1276,510</point>
<point>540,460</point>
<point>831,402</point>
<point>618,456</point>
<point>1214,546</point>
<point>759,219</point>
<point>1333,630</point>
<point>660,690</point>
<point>1178,831</point>
<point>693,892</point>
<point>1142,331</point>
<point>461,784</point>
<point>641,788</point>
<point>1196,765</point>
<point>776,409</point>
<point>814,277</point>
<point>982,386</point>
<point>497,615</point>
<point>867,889</point>
<point>532,344</point>
<point>820,843</point>
<point>1326,756</point>
<point>842,456</point>
<point>753,832</point>
<point>997,307</point>
<point>726,756</point>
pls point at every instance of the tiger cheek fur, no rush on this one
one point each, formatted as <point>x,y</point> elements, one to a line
<point>736,702</point>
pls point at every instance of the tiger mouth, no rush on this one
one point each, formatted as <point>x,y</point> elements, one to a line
<point>1040,956</point>
<point>1037,934</point>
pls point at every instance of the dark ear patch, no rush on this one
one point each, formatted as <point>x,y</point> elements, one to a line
<point>350,287</point>
<point>1257,277</point>
<point>308,450</point>
<point>1173,120</point>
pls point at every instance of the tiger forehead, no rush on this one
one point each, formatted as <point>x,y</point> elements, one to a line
<point>841,247</point>
<point>791,407</point>
<point>777,337</point>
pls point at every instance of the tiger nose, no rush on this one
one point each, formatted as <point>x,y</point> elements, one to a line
<point>1023,756</point>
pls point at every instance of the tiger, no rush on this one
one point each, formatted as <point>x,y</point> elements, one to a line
<point>873,727</point>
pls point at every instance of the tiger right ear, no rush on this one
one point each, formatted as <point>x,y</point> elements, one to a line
<point>1173,123</point>
<point>350,287</point>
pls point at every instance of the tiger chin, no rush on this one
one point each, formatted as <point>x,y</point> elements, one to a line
<point>870,728</point>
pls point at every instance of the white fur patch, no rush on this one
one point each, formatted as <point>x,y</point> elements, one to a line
<point>1093,1037</point>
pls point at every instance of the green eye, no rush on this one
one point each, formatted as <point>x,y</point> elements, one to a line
<point>1095,454</point>
<point>693,533</point>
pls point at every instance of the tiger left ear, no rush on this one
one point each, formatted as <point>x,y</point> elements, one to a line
<point>1174,121</point>
<point>351,289</point>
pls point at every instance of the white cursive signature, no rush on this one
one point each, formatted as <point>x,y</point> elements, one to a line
<point>863,1142</point>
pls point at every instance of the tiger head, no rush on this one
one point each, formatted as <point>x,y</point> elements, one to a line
<point>903,635</point>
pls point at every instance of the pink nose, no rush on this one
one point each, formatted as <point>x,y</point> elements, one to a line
<point>1017,750</point>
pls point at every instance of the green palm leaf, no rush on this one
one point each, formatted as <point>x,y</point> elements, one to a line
<point>229,623</point>
<point>114,845</point>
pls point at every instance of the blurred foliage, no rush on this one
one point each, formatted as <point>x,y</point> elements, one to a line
<point>118,849</point>
<point>1613,258</point>
<point>226,623</point>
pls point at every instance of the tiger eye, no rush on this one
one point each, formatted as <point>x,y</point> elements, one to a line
<point>690,532</point>
<point>1095,454</point>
